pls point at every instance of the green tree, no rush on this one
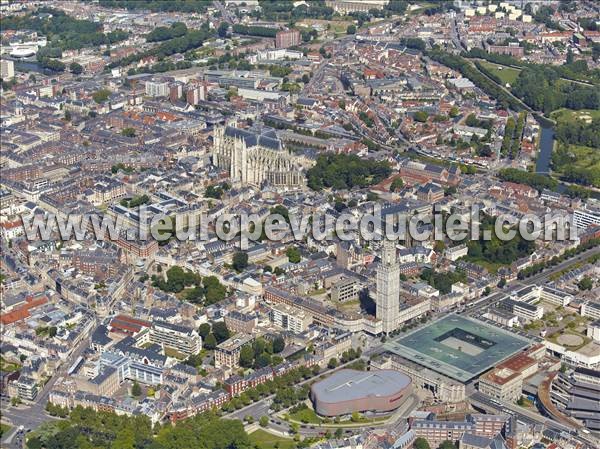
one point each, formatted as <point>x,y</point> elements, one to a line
<point>210,342</point>
<point>447,444</point>
<point>338,433</point>
<point>223,29</point>
<point>396,185</point>
<point>246,356</point>
<point>421,443</point>
<point>263,421</point>
<point>240,261</point>
<point>351,29</point>
<point>136,390</point>
<point>220,331</point>
<point>100,96</point>
<point>421,116</point>
<point>75,68</point>
<point>293,254</point>
<point>204,330</point>
<point>585,283</point>
<point>333,363</point>
<point>128,132</point>
<point>278,344</point>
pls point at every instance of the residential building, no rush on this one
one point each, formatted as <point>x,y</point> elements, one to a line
<point>228,352</point>
<point>502,383</point>
<point>290,318</point>
<point>157,88</point>
<point>7,69</point>
<point>287,38</point>
<point>241,322</point>
<point>181,338</point>
<point>345,290</point>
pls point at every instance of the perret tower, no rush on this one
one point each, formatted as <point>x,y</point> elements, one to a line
<point>388,288</point>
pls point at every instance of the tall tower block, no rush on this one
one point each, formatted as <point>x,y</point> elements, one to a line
<point>388,288</point>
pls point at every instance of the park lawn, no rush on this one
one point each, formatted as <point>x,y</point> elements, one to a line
<point>306,416</point>
<point>266,440</point>
<point>586,157</point>
<point>506,74</point>
<point>570,113</point>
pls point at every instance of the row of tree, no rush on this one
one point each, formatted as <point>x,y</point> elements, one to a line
<point>539,267</point>
<point>162,33</point>
<point>509,130</point>
<point>191,6</point>
<point>253,30</point>
<point>283,387</point>
<point>463,66</point>
<point>535,180</point>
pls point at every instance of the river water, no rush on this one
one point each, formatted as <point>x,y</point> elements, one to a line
<point>545,152</point>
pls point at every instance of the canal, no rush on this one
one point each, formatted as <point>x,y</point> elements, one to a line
<point>545,151</point>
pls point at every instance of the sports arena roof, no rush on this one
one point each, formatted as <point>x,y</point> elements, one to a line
<point>349,385</point>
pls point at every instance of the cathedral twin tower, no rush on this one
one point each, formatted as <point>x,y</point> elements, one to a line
<point>256,159</point>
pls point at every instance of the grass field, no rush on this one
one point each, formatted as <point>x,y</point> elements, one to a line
<point>585,114</point>
<point>506,74</point>
<point>307,416</point>
<point>586,157</point>
<point>266,440</point>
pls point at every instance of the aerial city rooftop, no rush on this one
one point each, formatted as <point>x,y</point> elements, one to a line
<point>336,224</point>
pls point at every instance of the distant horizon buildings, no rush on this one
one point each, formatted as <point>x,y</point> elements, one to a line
<point>348,6</point>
